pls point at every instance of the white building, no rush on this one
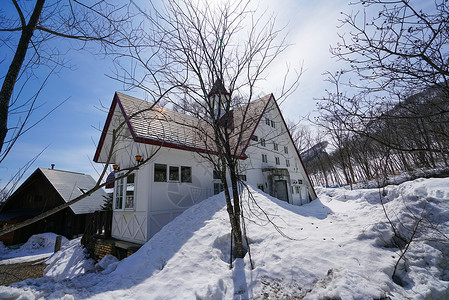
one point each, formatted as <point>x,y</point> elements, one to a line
<point>178,175</point>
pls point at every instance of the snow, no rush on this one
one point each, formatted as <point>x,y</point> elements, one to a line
<point>37,247</point>
<point>338,246</point>
<point>69,262</point>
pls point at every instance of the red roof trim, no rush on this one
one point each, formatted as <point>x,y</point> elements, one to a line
<point>131,129</point>
<point>106,127</point>
<point>149,141</point>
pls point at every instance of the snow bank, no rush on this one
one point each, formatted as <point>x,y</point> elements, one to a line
<point>338,246</point>
<point>69,262</point>
<point>37,247</point>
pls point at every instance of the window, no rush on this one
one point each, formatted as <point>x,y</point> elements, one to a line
<point>264,158</point>
<point>267,121</point>
<point>263,143</point>
<point>130,184</point>
<point>160,173</point>
<point>255,138</point>
<point>218,188</point>
<point>242,177</point>
<point>278,161</point>
<point>186,174</point>
<point>119,193</point>
<point>299,181</point>
<point>287,163</point>
<point>173,173</point>
<point>275,146</point>
<point>273,124</point>
<point>125,192</point>
<point>285,149</point>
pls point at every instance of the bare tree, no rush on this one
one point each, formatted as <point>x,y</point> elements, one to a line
<point>396,45</point>
<point>396,54</point>
<point>39,34</point>
<point>216,55</point>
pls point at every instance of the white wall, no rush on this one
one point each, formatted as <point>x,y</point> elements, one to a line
<point>157,203</point>
<point>253,165</point>
<point>169,199</point>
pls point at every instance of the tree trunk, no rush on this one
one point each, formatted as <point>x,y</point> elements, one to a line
<point>238,239</point>
<point>14,68</point>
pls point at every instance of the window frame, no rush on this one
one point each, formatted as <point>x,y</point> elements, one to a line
<point>123,195</point>
<point>264,158</point>
<point>263,142</point>
<point>275,146</point>
<point>168,173</point>
<point>118,186</point>
<point>177,173</point>
<point>277,160</point>
<point>154,173</point>
<point>286,149</point>
<point>181,174</point>
<point>218,187</point>
<point>242,177</point>
<point>287,163</point>
<point>267,121</point>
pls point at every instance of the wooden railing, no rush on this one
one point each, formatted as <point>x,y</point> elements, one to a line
<point>99,224</point>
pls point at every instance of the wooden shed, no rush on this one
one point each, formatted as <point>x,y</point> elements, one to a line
<point>46,189</point>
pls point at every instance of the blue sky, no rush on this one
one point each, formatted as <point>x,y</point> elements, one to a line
<point>70,133</point>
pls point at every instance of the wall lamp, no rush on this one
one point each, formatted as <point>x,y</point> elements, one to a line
<point>115,167</point>
<point>139,158</point>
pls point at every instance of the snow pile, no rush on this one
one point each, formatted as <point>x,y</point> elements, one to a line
<point>401,177</point>
<point>69,262</point>
<point>107,264</point>
<point>340,246</point>
<point>37,247</point>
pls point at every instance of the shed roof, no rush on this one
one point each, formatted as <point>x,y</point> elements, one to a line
<point>71,185</point>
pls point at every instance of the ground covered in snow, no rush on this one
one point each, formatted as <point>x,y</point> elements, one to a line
<point>37,247</point>
<point>340,246</point>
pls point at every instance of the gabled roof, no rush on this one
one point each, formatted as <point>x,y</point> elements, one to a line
<point>70,185</point>
<point>156,125</point>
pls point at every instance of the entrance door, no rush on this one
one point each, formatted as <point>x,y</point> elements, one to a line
<point>281,190</point>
